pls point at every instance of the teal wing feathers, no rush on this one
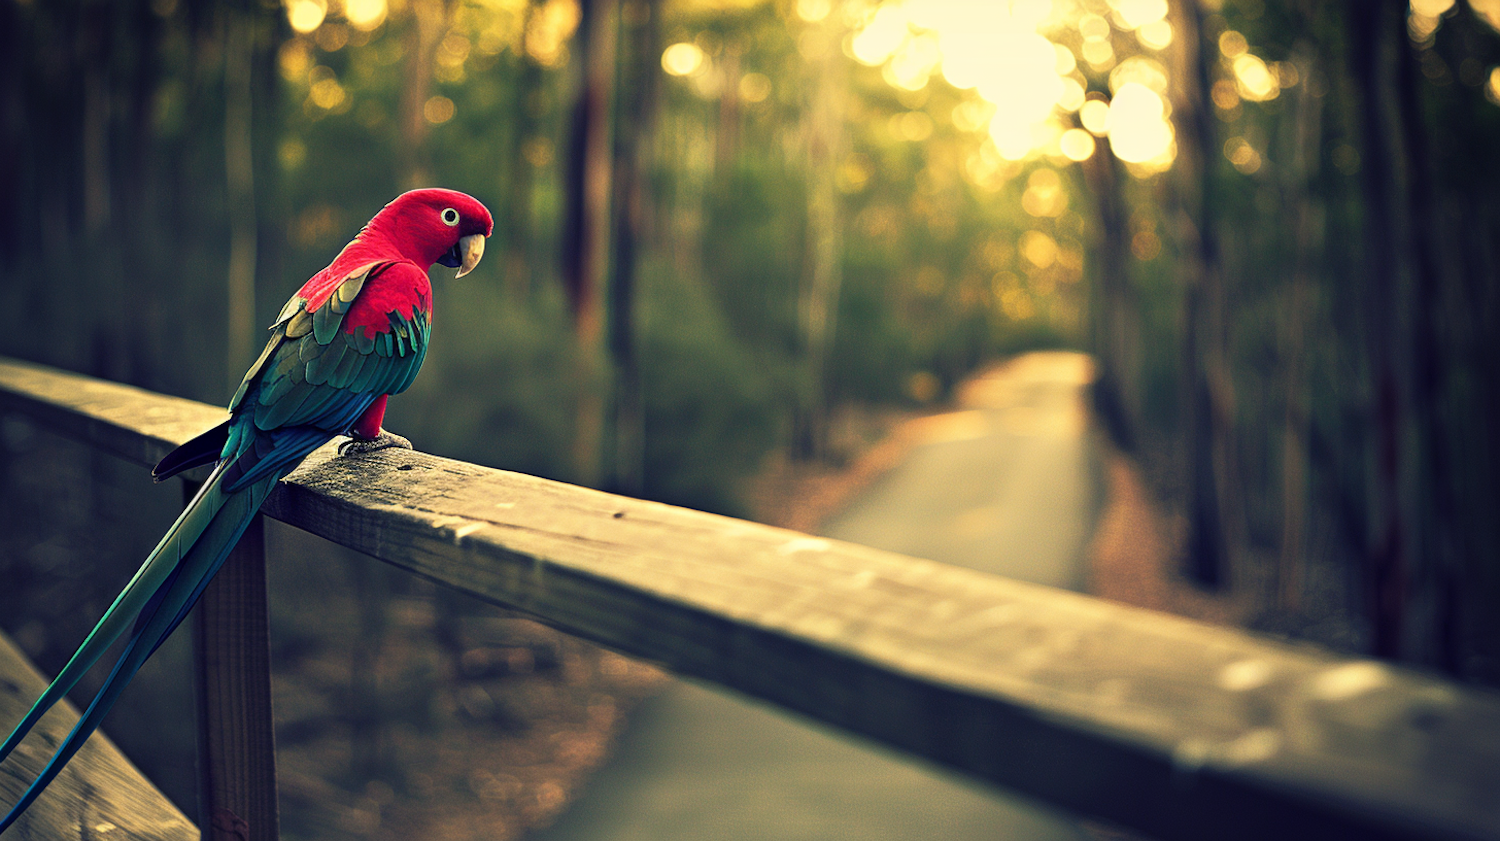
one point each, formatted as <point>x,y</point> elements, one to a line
<point>313,381</point>
<point>318,377</point>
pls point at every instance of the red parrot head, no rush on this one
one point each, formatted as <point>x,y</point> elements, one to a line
<point>436,226</point>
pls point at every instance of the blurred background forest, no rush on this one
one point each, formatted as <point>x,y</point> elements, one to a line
<point>726,227</point>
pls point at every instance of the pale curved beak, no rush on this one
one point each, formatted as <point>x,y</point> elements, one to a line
<point>470,249</point>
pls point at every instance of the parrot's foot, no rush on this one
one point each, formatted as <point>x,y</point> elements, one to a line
<point>359,446</point>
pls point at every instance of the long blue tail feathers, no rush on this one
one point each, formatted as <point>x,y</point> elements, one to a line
<point>157,598</point>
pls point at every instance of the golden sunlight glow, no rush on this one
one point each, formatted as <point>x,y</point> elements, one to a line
<point>1044,194</point>
<point>1232,44</point>
<point>1004,53</point>
<point>1242,155</point>
<point>1099,54</point>
<point>295,60</point>
<point>1137,125</point>
<point>1076,144</point>
<point>755,87</point>
<point>1492,88</point>
<point>1016,304</point>
<point>972,115</point>
<point>1420,27</point>
<point>1487,9</point>
<point>1018,75</point>
<point>1138,13</point>
<point>914,126</point>
<point>306,15</point>
<point>1155,36</point>
<point>548,29</point>
<point>881,37</point>
<point>438,109</point>
<point>1093,115</point>
<point>326,92</point>
<point>1066,61</point>
<point>993,49</point>
<point>682,59</point>
<point>1142,70</point>
<point>1093,28</point>
<point>1073,95</point>
<point>365,15</point>
<point>1038,248</point>
<point>1253,80</point>
<point>813,11</point>
<point>1430,8</point>
<point>911,67</point>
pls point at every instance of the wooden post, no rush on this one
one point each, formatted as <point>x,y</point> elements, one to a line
<point>232,654</point>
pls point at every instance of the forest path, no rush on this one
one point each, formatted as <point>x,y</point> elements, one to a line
<point>1007,483</point>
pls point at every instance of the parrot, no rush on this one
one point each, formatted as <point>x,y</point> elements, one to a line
<point>354,334</point>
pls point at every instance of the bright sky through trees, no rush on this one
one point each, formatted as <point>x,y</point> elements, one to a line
<point>1020,58</point>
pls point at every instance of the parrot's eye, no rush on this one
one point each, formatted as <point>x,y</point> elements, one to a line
<point>450,216</point>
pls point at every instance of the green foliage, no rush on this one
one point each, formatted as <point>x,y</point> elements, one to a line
<point>709,401</point>
<point>497,386</point>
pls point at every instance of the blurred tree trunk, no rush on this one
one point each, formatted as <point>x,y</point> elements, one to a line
<point>1214,498</point>
<point>518,231</point>
<point>586,226</point>
<point>1437,560</point>
<point>429,23</point>
<point>633,201</point>
<point>94,55</point>
<point>727,138</point>
<point>1298,179</point>
<point>824,144</point>
<point>1377,33</point>
<point>1115,316</point>
<point>239,170</point>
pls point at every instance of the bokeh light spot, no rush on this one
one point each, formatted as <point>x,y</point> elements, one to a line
<point>1242,155</point>
<point>1232,44</point>
<point>438,110</point>
<point>914,126</point>
<point>1137,126</point>
<point>1038,248</point>
<point>682,59</point>
<point>755,87</point>
<point>306,15</point>
<point>1076,144</point>
<point>365,15</point>
<point>1094,115</point>
<point>1254,80</point>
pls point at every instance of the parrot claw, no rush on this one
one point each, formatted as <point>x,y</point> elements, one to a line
<point>360,446</point>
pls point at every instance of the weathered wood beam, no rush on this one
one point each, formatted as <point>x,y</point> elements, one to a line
<point>232,676</point>
<point>1178,729</point>
<point>100,795</point>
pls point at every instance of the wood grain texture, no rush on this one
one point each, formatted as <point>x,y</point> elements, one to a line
<point>232,671</point>
<point>99,796</point>
<point>134,424</point>
<point>1178,729</point>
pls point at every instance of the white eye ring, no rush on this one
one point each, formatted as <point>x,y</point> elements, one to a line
<point>449,216</point>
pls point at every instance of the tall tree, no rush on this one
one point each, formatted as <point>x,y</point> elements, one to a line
<point>586,224</point>
<point>1207,411</point>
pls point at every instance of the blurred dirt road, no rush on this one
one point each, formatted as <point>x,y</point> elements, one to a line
<point>1006,483</point>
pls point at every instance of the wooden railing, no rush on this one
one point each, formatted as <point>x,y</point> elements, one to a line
<point>1172,728</point>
